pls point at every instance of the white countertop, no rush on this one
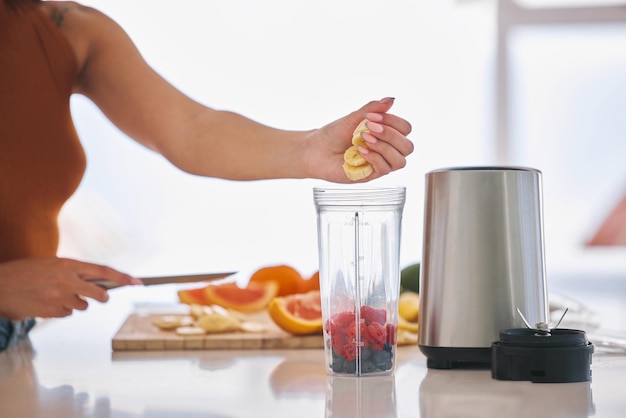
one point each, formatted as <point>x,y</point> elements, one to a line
<point>68,369</point>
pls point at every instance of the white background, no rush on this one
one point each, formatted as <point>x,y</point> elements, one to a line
<point>300,65</point>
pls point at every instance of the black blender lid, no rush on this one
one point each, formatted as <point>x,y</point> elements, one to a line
<point>542,356</point>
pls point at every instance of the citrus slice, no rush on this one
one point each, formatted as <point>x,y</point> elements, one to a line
<point>299,313</point>
<point>285,276</point>
<point>252,298</point>
<point>312,283</point>
<point>192,296</point>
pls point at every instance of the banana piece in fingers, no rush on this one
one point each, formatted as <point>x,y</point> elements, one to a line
<point>357,173</point>
<point>357,139</point>
<point>355,166</point>
<point>353,157</point>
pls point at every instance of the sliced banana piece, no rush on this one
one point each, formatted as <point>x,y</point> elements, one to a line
<point>357,173</point>
<point>355,166</point>
<point>217,323</point>
<point>253,327</point>
<point>197,311</point>
<point>357,139</point>
<point>171,322</point>
<point>204,320</point>
<point>192,330</point>
<point>353,157</point>
<point>238,315</point>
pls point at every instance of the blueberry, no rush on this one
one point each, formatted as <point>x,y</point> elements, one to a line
<point>349,366</point>
<point>337,365</point>
<point>367,366</point>
<point>387,347</point>
<point>382,359</point>
<point>385,366</point>
<point>365,353</point>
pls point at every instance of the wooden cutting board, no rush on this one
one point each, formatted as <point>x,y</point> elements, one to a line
<point>139,334</point>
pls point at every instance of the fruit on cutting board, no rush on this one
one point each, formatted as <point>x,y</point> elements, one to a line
<point>263,285</point>
<point>192,296</point>
<point>312,283</point>
<point>354,165</point>
<point>203,319</point>
<point>218,321</point>
<point>287,278</point>
<point>252,298</point>
<point>299,314</point>
<point>170,322</point>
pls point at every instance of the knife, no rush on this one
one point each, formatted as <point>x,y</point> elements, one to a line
<point>149,281</point>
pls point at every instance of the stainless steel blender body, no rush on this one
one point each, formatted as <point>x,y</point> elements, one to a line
<point>483,259</point>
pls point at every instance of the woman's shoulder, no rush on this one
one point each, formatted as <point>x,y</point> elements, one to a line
<point>83,26</point>
<point>64,12</point>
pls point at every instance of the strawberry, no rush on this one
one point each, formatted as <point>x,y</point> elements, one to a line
<point>391,334</point>
<point>349,350</point>
<point>377,334</point>
<point>365,340</point>
<point>369,315</point>
<point>339,321</point>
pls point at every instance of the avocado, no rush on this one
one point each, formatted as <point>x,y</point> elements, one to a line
<point>410,278</point>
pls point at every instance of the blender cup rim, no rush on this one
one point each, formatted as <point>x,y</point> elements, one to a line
<point>359,196</point>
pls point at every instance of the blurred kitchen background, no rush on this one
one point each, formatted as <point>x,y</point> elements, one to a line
<point>548,95</point>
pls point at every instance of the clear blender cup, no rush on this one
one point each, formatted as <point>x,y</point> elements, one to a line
<point>359,264</point>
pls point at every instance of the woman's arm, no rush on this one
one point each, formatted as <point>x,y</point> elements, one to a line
<point>205,141</point>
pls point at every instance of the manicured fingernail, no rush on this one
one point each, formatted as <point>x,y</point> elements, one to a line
<point>374,127</point>
<point>134,280</point>
<point>374,117</point>
<point>369,138</point>
<point>387,99</point>
<point>362,150</point>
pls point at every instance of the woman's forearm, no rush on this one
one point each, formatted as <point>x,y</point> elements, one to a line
<point>228,145</point>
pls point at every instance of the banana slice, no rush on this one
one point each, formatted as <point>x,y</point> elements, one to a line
<point>197,311</point>
<point>353,157</point>
<point>254,327</point>
<point>357,173</point>
<point>357,139</point>
<point>217,323</point>
<point>355,166</point>
<point>193,330</point>
<point>171,322</point>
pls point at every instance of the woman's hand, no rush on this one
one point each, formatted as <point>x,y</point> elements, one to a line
<point>387,143</point>
<point>52,287</point>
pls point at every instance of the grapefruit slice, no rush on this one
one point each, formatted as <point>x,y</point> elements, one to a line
<point>298,314</point>
<point>252,298</point>
<point>312,283</point>
<point>285,276</point>
<point>193,296</point>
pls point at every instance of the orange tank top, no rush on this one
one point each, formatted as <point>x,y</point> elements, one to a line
<point>41,158</point>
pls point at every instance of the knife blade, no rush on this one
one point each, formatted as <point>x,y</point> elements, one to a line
<point>149,281</point>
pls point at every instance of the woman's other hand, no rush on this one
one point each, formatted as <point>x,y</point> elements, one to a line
<point>52,287</point>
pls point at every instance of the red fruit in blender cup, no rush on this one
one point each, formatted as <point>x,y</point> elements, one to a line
<point>370,314</point>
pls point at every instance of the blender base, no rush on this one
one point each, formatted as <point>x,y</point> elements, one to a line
<point>456,357</point>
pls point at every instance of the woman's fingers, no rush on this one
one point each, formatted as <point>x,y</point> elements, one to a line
<point>393,121</point>
<point>387,139</point>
